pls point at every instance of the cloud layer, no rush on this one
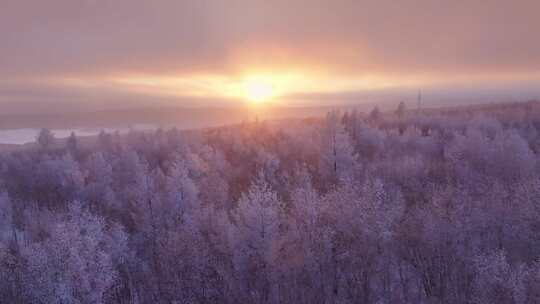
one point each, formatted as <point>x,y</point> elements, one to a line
<point>432,42</point>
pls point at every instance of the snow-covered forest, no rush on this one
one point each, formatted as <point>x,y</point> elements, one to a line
<point>439,206</point>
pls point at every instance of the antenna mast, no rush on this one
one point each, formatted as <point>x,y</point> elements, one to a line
<point>419,99</point>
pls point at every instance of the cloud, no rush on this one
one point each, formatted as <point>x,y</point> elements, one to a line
<point>435,40</point>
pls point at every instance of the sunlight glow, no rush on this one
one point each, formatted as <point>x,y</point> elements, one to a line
<point>255,86</point>
<point>258,90</point>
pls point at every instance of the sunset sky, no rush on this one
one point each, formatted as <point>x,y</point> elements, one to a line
<point>222,52</point>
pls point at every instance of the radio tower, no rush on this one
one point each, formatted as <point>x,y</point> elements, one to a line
<point>419,99</point>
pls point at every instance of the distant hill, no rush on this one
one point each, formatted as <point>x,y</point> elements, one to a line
<point>194,118</point>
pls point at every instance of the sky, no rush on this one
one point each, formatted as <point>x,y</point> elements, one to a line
<point>78,54</point>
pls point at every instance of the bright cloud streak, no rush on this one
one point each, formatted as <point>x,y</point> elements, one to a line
<point>236,87</point>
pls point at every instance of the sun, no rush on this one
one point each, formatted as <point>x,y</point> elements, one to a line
<point>258,90</point>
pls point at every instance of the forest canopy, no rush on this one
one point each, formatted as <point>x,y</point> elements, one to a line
<point>407,206</point>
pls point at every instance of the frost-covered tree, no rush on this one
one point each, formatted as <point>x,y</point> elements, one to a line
<point>338,159</point>
<point>6,219</point>
<point>400,111</point>
<point>72,265</point>
<point>72,142</point>
<point>375,114</point>
<point>499,282</point>
<point>45,138</point>
<point>256,235</point>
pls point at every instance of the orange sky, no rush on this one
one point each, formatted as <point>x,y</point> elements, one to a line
<point>82,51</point>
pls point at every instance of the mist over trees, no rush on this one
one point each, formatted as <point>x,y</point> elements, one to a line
<point>410,206</point>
